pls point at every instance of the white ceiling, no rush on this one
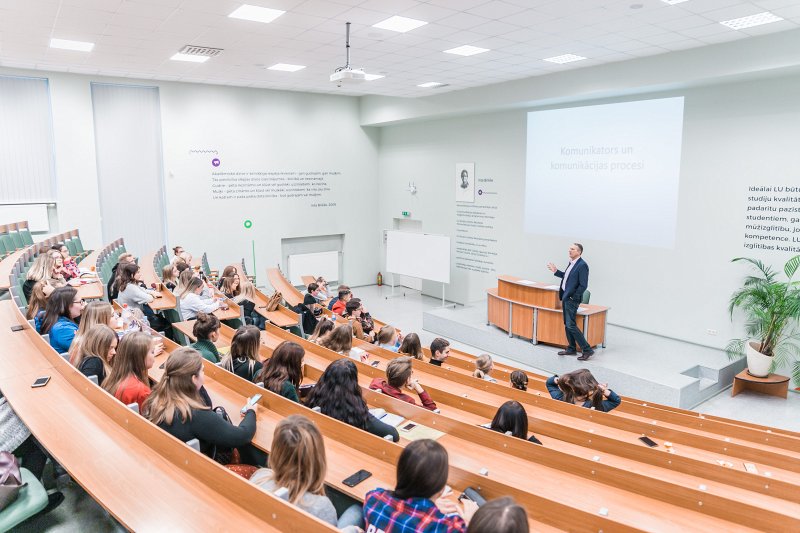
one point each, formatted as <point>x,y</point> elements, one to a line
<point>135,38</point>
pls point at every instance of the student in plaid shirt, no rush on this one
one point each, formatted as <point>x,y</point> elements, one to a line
<point>410,508</point>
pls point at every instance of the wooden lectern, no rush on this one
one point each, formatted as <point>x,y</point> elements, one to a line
<point>532,310</point>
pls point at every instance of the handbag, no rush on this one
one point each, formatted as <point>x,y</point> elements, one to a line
<point>10,479</point>
<point>274,301</point>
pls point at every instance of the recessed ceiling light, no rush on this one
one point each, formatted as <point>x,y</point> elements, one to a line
<point>66,44</point>
<point>399,24</point>
<point>190,58</point>
<point>565,58</point>
<point>256,13</point>
<point>430,85</point>
<point>370,77</point>
<point>286,67</point>
<point>673,2</point>
<point>753,20</point>
<point>466,50</point>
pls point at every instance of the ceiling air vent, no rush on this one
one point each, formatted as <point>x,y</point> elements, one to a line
<point>205,51</point>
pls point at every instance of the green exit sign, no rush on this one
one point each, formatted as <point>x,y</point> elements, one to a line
<point>406,213</point>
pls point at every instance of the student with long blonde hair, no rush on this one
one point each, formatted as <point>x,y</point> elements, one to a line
<point>483,366</point>
<point>128,381</point>
<point>97,350</point>
<point>95,312</point>
<point>192,303</point>
<point>243,358</point>
<point>247,299</point>
<point>177,406</point>
<point>169,276</point>
<point>40,270</point>
<point>296,471</point>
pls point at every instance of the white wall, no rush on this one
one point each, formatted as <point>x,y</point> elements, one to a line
<point>252,129</point>
<point>735,135</point>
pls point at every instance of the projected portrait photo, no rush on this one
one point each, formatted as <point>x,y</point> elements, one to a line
<point>465,182</point>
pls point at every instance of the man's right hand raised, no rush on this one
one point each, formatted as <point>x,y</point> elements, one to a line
<point>553,268</point>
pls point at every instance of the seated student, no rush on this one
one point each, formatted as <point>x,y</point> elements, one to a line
<point>70,267</point>
<point>95,312</point>
<point>323,327</point>
<point>192,303</point>
<point>185,277</point>
<point>501,515</point>
<point>242,359</point>
<point>97,350</point>
<point>483,366</point>
<point>227,272</point>
<point>416,503</point>
<point>341,302</point>
<point>169,276</point>
<point>412,347</point>
<point>177,251</point>
<point>339,396</point>
<point>354,315</point>
<point>388,338</point>
<point>580,388</point>
<point>322,295</point>
<point>128,381</point>
<point>231,286</point>
<point>398,375</point>
<point>130,292</point>
<point>512,418</point>
<point>440,351</point>
<point>296,471</point>
<point>310,297</point>
<point>41,270</point>
<point>206,330</point>
<point>519,380</point>
<point>178,406</point>
<point>283,372</point>
<point>59,319</point>
<point>59,275</point>
<point>247,299</point>
<point>111,288</point>
<point>336,296</point>
<point>340,340</point>
<point>38,298</point>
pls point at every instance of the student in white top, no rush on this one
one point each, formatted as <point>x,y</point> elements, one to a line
<point>130,292</point>
<point>192,303</point>
<point>183,281</point>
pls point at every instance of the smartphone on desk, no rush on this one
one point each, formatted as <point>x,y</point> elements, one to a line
<point>650,442</point>
<point>408,427</point>
<point>40,382</point>
<point>357,478</point>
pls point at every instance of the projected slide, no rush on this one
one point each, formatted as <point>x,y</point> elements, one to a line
<point>606,172</point>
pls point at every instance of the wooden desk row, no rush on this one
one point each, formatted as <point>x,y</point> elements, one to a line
<point>531,310</point>
<point>464,441</point>
<point>145,478</point>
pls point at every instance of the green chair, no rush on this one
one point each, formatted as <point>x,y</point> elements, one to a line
<point>586,296</point>
<point>32,499</point>
<point>8,242</point>
<point>174,317</point>
<point>25,233</point>
<point>16,238</point>
<point>3,251</point>
<point>73,250</point>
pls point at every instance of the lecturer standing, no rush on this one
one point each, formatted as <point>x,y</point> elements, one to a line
<point>574,280</point>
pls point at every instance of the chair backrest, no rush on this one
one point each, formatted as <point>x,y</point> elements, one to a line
<point>194,443</point>
<point>93,379</point>
<point>134,407</point>
<point>586,296</point>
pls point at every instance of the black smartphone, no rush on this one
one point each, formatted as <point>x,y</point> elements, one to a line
<point>357,478</point>
<point>305,390</point>
<point>472,494</point>
<point>375,363</point>
<point>41,382</point>
<point>18,327</point>
<point>650,442</point>
<point>408,427</point>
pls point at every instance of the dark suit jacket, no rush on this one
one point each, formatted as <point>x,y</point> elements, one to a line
<point>577,282</point>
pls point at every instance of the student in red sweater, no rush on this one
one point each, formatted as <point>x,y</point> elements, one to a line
<point>128,381</point>
<point>399,374</point>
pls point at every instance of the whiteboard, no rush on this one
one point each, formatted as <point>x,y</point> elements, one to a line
<point>418,255</point>
<point>35,214</point>
<point>325,264</point>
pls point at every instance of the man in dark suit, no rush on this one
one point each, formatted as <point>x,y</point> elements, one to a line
<point>574,280</point>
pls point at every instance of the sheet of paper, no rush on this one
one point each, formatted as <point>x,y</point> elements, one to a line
<point>421,432</point>
<point>527,282</point>
<point>551,287</point>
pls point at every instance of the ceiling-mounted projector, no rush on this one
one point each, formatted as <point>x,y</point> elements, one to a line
<point>348,74</point>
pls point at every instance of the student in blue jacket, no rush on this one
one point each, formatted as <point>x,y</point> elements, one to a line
<point>60,318</point>
<point>579,387</point>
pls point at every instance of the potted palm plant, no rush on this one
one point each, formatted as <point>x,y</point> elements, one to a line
<point>771,309</point>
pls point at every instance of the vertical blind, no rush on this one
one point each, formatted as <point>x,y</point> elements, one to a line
<point>127,125</point>
<point>27,165</point>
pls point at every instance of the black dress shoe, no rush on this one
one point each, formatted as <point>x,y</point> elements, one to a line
<point>568,351</point>
<point>586,355</point>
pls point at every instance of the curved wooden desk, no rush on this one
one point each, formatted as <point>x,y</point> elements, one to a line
<point>144,477</point>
